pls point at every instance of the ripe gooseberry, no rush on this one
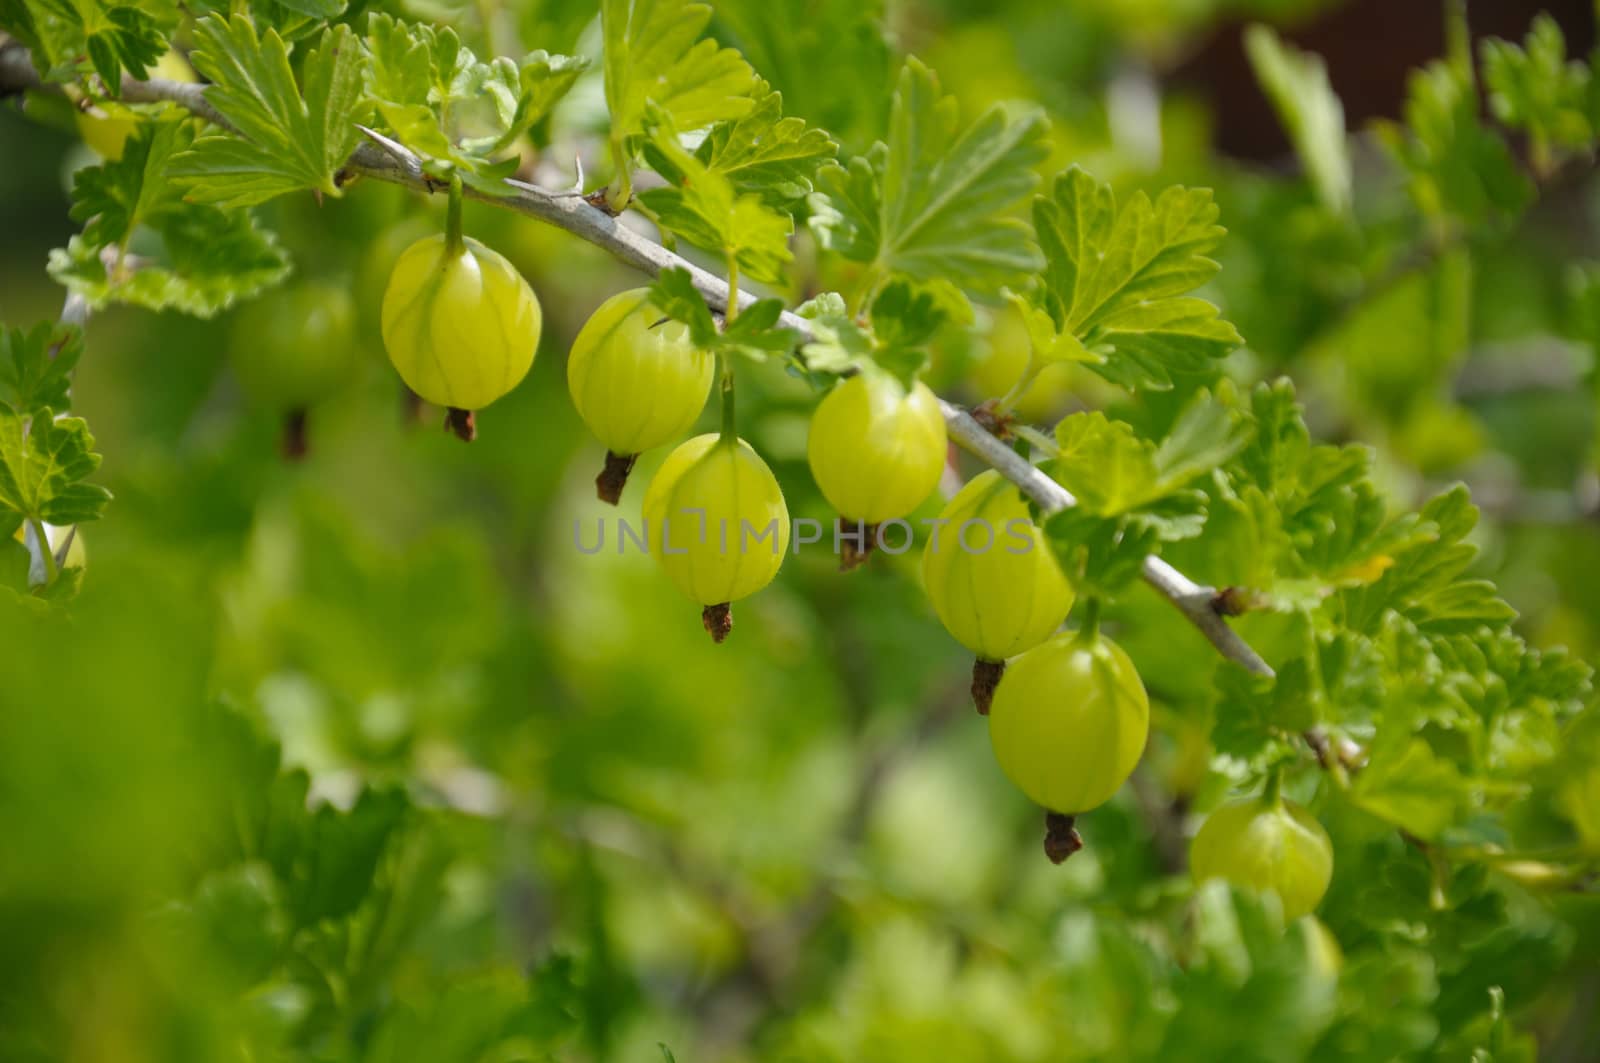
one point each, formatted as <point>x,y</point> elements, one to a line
<point>717,524</point>
<point>292,348</point>
<point>1266,842</point>
<point>460,323</point>
<point>636,380</point>
<point>997,590</point>
<point>876,448</point>
<point>1069,721</point>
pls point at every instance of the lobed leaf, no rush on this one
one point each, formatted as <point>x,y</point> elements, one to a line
<point>286,137</point>
<point>192,257</point>
<point>935,201</point>
<point>1115,279</point>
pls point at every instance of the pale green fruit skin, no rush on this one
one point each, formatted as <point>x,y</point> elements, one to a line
<point>731,483</point>
<point>1265,845</point>
<point>1069,722</point>
<point>636,386</point>
<point>460,329</point>
<point>876,449</point>
<point>996,603</point>
<point>295,346</point>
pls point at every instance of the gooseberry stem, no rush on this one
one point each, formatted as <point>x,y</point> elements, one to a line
<point>730,430</point>
<point>724,364</point>
<point>452,219</point>
<point>1273,794</point>
<point>1089,626</point>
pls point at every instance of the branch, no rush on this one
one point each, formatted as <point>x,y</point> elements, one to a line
<point>392,163</point>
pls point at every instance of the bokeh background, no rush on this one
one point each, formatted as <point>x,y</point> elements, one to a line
<point>551,817</point>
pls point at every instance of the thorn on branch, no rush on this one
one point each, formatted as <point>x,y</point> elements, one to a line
<point>1061,838</point>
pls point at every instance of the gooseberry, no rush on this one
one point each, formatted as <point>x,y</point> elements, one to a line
<point>717,524</point>
<point>1266,842</point>
<point>460,324</point>
<point>876,446</point>
<point>1069,721</point>
<point>992,578</point>
<point>636,380</point>
<point>292,348</point>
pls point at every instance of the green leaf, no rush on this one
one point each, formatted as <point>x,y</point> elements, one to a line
<point>1112,471</point>
<point>125,39</point>
<point>1410,786</point>
<point>331,870</point>
<point>1458,168</point>
<point>43,462</point>
<point>1297,84</point>
<point>936,201</point>
<point>190,257</point>
<point>1424,583</point>
<point>70,39</point>
<point>754,333</point>
<point>837,342</point>
<point>36,366</point>
<point>53,39</point>
<point>1115,279</point>
<point>1047,345</point>
<point>440,101</point>
<point>655,56</point>
<point>1251,710</point>
<point>1102,555</point>
<point>829,58</point>
<point>762,153</point>
<point>315,9</point>
<point>1241,956</point>
<point>1535,89</point>
<point>704,208</point>
<point>288,137</point>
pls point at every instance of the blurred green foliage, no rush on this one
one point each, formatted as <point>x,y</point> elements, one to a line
<point>359,759</point>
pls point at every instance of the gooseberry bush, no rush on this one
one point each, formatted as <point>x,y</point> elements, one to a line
<point>342,753</point>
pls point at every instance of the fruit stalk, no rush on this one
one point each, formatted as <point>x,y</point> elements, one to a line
<point>452,218</point>
<point>730,430</point>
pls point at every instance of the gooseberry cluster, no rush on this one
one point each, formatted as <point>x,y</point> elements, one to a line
<point>1068,716</point>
